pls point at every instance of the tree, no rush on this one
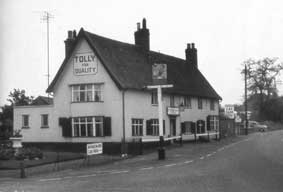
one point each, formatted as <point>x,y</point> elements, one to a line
<point>18,97</point>
<point>261,78</point>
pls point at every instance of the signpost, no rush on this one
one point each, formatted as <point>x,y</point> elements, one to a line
<point>93,149</point>
<point>159,77</point>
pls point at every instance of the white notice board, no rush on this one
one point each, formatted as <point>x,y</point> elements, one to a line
<point>94,148</point>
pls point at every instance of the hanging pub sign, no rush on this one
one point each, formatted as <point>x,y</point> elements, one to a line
<point>85,64</point>
<point>159,74</point>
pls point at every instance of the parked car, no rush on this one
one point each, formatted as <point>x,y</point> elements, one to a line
<point>258,127</point>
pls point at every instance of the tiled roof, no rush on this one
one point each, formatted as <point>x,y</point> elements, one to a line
<point>130,67</point>
<point>42,100</point>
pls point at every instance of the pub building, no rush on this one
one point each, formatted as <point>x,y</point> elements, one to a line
<point>100,95</point>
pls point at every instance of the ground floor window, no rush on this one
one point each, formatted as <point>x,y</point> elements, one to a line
<point>152,127</point>
<point>91,126</point>
<point>25,121</point>
<point>213,123</point>
<point>188,127</point>
<point>44,121</point>
<point>137,127</point>
<point>200,126</point>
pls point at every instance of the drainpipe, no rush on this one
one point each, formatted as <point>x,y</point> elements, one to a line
<point>124,128</point>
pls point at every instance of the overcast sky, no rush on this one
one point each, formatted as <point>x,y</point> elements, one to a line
<point>225,33</point>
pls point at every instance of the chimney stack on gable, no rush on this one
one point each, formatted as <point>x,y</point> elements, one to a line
<point>191,55</point>
<point>69,42</point>
<point>142,35</point>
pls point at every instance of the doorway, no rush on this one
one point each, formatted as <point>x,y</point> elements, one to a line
<point>173,126</point>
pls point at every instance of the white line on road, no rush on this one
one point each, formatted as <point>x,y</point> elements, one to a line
<point>68,177</point>
<point>51,179</point>
<point>146,168</point>
<point>81,176</point>
<point>187,162</point>
<point>201,158</point>
<point>208,155</point>
<point>170,165</point>
<point>116,172</point>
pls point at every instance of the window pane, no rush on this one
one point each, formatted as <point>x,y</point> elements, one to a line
<point>90,130</point>
<point>83,130</point>
<point>44,120</point>
<point>76,130</point>
<point>89,95</point>
<point>76,96</point>
<point>25,120</point>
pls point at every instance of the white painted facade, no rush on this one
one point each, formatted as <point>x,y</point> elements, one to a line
<point>137,105</point>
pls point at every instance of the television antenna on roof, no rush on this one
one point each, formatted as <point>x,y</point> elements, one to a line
<point>46,18</point>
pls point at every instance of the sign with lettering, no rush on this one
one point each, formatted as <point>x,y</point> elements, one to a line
<point>159,73</point>
<point>85,64</point>
<point>173,111</point>
<point>94,148</point>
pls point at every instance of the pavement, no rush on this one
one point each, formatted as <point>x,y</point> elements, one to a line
<point>245,163</point>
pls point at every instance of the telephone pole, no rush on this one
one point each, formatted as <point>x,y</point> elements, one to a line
<point>246,102</point>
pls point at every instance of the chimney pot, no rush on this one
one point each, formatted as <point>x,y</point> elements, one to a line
<point>138,26</point>
<point>193,45</point>
<point>70,34</point>
<point>74,34</point>
<point>144,23</point>
<point>188,46</point>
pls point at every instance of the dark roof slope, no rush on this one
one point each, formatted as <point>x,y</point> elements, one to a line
<point>130,67</point>
<point>42,100</point>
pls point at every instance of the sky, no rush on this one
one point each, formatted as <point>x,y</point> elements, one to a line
<point>226,33</point>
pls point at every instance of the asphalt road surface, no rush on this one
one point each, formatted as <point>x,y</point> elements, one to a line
<point>248,163</point>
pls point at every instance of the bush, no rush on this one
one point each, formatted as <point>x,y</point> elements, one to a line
<point>6,153</point>
<point>29,153</point>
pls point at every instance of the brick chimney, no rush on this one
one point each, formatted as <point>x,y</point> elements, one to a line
<point>191,55</point>
<point>69,42</point>
<point>142,35</point>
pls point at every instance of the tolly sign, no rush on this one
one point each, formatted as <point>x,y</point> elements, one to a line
<point>85,64</point>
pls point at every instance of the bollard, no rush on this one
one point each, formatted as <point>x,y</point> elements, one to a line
<point>181,140</point>
<point>22,170</point>
<point>141,147</point>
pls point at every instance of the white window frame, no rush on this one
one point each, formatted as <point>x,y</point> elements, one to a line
<point>200,103</point>
<point>95,121</point>
<point>43,125</point>
<point>214,123</point>
<point>137,127</point>
<point>212,105</point>
<point>94,89</point>
<point>154,98</point>
<point>23,121</point>
<point>155,127</point>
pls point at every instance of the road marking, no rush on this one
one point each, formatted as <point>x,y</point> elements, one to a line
<point>146,168</point>
<point>201,158</point>
<point>117,172</point>
<point>214,152</point>
<point>187,162</point>
<point>208,155</point>
<point>170,165</point>
<point>51,179</point>
<point>81,176</point>
<point>68,177</point>
<point>221,149</point>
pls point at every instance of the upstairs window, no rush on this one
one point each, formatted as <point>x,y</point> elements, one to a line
<point>172,101</point>
<point>87,93</point>
<point>25,121</point>
<point>212,105</point>
<point>154,99</point>
<point>44,120</point>
<point>187,102</point>
<point>200,103</point>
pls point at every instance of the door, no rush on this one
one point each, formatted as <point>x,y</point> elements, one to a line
<point>173,126</point>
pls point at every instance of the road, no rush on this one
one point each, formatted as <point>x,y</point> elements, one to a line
<point>249,163</point>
